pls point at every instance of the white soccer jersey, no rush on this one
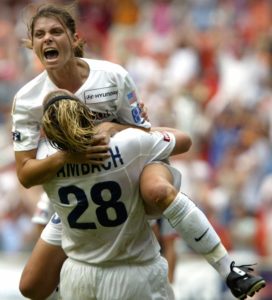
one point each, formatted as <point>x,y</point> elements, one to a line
<point>102,215</point>
<point>109,91</point>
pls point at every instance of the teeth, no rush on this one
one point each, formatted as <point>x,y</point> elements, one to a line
<point>49,49</point>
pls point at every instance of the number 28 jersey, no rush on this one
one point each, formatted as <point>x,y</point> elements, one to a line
<point>101,211</point>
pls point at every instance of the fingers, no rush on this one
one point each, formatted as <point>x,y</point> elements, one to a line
<point>96,162</point>
<point>100,139</point>
<point>95,155</point>
<point>98,149</point>
<point>143,111</point>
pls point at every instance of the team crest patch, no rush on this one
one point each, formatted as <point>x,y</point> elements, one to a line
<point>16,136</point>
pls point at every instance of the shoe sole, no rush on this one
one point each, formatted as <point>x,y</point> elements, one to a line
<point>254,289</point>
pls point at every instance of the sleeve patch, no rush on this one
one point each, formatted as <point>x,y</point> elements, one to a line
<point>16,136</point>
<point>132,97</point>
<point>136,114</point>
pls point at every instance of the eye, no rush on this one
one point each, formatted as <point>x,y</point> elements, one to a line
<point>38,34</point>
<point>57,31</point>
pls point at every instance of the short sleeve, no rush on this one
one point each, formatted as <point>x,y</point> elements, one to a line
<point>53,231</point>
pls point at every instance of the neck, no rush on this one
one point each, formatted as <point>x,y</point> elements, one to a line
<point>70,77</point>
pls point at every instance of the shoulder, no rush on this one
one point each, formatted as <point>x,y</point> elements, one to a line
<point>44,149</point>
<point>106,66</point>
<point>32,86</point>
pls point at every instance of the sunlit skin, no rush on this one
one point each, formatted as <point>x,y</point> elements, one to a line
<point>64,69</point>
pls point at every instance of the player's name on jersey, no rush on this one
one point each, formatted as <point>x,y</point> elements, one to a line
<point>73,170</point>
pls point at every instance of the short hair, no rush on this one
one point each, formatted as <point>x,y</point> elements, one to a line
<point>67,122</point>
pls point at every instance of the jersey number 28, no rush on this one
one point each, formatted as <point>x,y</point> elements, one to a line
<point>104,206</point>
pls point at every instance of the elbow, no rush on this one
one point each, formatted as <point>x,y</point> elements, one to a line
<point>24,182</point>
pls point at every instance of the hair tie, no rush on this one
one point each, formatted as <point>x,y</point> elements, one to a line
<point>55,99</point>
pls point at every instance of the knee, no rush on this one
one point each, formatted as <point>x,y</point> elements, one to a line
<point>31,289</point>
<point>26,289</point>
<point>160,194</point>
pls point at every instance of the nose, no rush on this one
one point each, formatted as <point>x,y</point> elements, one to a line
<point>47,39</point>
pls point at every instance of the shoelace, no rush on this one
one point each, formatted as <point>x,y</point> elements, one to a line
<point>232,265</point>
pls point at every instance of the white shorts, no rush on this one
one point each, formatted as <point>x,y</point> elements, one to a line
<point>147,281</point>
<point>44,210</point>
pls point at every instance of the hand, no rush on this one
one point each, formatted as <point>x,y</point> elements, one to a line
<point>94,155</point>
<point>104,132</point>
<point>143,111</point>
<point>101,139</point>
<point>109,129</point>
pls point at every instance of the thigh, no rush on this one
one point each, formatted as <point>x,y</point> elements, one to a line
<point>154,172</point>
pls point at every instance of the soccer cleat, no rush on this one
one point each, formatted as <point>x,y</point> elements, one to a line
<point>243,284</point>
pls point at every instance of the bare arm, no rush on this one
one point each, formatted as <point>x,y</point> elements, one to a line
<point>32,171</point>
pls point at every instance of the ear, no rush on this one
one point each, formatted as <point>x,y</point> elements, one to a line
<point>75,38</point>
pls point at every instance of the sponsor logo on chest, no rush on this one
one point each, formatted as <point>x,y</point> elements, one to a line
<point>101,95</point>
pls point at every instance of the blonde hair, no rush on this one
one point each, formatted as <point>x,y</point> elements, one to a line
<point>67,122</point>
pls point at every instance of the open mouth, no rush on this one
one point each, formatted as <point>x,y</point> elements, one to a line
<point>51,54</point>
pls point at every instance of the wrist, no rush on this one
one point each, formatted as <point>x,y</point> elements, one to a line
<point>61,158</point>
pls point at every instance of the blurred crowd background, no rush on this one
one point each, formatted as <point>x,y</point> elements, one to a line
<point>203,66</point>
